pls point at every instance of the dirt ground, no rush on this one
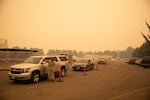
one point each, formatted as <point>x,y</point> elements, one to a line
<point>7,64</point>
<point>118,81</point>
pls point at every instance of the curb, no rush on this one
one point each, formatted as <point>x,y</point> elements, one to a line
<point>4,69</point>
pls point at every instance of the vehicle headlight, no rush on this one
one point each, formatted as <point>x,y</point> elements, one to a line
<point>25,70</point>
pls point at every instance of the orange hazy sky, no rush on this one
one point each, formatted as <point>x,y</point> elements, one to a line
<point>87,25</point>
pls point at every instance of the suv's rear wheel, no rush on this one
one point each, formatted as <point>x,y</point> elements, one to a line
<point>35,77</point>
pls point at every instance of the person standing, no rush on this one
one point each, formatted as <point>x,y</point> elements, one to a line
<point>69,64</point>
<point>51,75</point>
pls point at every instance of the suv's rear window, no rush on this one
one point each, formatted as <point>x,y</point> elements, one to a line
<point>63,58</point>
<point>54,59</point>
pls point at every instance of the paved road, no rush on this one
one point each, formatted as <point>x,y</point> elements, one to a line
<point>117,81</point>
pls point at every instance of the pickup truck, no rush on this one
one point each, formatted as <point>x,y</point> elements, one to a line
<point>35,67</point>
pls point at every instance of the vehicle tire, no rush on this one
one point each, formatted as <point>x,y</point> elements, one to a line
<point>35,77</point>
<point>144,66</point>
<point>63,71</point>
<point>16,81</point>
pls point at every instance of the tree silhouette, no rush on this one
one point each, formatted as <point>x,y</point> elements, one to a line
<point>147,37</point>
<point>144,49</point>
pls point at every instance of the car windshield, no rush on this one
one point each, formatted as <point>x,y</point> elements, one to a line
<point>33,60</point>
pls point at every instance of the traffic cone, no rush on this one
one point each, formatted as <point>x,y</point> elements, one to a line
<point>85,71</point>
<point>60,78</point>
<point>96,66</point>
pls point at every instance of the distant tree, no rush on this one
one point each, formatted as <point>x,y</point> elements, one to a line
<point>136,52</point>
<point>56,51</point>
<point>129,52</point>
<point>143,50</point>
<point>51,51</point>
<point>107,52</point>
<point>122,54</point>
<point>40,51</point>
<point>99,53</point>
<point>25,48</point>
<point>16,47</point>
<point>89,52</point>
<point>74,52</point>
<point>114,54</point>
<point>80,54</point>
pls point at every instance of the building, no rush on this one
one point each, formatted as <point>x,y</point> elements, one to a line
<point>16,55</point>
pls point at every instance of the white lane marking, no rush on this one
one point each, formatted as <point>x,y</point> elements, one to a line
<point>128,93</point>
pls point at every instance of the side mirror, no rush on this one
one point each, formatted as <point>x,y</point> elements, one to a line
<point>44,62</point>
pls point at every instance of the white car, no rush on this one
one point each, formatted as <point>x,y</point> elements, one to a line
<point>35,67</point>
<point>138,61</point>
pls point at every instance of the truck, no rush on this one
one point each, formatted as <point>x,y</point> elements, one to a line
<point>35,68</point>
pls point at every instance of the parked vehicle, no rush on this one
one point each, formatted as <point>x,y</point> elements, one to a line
<point>138,61</point>
<point>145,62</point>
<point>132,61</point>
<point>35,67</point>
<point>82,64</point>
<point>101,61</point>
<point>125,60</point>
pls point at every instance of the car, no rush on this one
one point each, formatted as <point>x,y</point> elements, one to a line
<point>83,64</point>
<point>101,61</point>
<point>132,61</point>
<point>125,60</point>
<point>145,62</point>
<point>35,67</point>
<point>138,61</point>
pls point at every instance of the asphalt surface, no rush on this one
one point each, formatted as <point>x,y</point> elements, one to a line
<point>117,81</point>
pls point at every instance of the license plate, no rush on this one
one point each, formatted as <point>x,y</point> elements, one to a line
<point>12,77</point>
<point>78,67</point>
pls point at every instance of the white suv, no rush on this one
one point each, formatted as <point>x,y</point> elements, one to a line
<point>35,67</point>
